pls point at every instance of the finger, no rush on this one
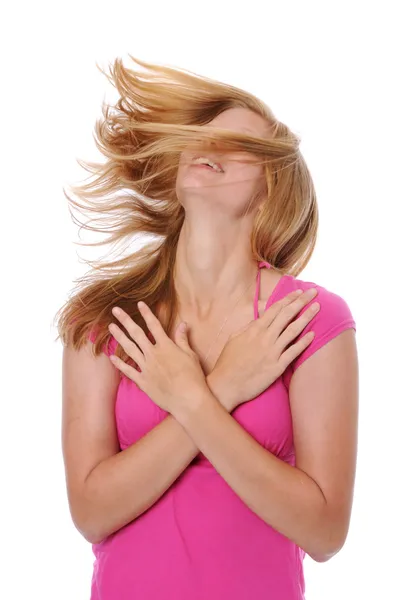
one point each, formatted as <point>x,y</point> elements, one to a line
<point>294,329</point>
<point>133,329</point>
<point>290,310</point>
<point>295,350</point>
<point>128,346</point>
<point>152,323</point>
<point>181,337</point>
<point>129,371</point>
<point>273,311</point>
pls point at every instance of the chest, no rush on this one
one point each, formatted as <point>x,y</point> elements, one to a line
<point>267,418</point>
<point>208,337</point>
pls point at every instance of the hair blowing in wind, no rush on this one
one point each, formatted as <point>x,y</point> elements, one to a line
<point>160,111</point>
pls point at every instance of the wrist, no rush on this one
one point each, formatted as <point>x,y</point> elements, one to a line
<point>220,390</point>
<point>186,408</point>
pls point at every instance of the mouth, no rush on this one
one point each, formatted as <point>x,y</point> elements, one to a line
<point>204,161</point>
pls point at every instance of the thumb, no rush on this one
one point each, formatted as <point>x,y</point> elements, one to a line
<point>181,336</point>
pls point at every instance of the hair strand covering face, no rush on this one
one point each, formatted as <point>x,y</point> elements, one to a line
<point>161,110</point>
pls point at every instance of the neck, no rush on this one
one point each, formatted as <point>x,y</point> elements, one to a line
<point>213,266</point>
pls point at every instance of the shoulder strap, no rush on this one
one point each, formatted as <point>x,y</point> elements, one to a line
<point>257,289</point>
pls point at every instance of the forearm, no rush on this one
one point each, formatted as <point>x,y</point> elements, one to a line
<point>283,496</point>
<point>125,485</point>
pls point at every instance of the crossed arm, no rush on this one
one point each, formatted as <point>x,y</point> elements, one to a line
<point>309,503</point>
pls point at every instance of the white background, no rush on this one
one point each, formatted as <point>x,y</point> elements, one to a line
<point>341,75</point>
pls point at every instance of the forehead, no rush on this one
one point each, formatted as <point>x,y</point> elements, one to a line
<point>242,120</point>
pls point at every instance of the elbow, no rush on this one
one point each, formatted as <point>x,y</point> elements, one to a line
<point>329,545</point>
<point>324,556</point>
<point>95,539</point>
<point>86,516</point>
<point>95,535</point>
<point>91,532</point>
<point>88,530</point>
<point>89,536</point>
<point>86,525</point>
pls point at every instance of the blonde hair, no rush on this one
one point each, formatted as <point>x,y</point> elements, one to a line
<point>160,111</point>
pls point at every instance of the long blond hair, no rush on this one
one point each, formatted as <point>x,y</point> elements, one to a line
<point>160,111</point>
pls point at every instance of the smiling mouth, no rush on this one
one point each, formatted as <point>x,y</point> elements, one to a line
<point>203,161</point>
<point>205,167</point>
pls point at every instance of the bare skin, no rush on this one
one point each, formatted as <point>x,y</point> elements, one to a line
<point>108,488</point>
<point>214,264</point>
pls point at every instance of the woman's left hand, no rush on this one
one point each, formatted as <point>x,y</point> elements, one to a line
<point>170,371</point>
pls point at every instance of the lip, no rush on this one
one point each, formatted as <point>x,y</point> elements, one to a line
<point>206,166</point>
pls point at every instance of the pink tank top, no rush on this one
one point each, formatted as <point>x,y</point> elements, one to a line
<point>200,541</point>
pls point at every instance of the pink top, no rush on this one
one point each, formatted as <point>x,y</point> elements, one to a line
<point>200,541</point>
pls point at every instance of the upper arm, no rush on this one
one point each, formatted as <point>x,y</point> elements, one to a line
<point>89,435</point>
<point>324,398</point>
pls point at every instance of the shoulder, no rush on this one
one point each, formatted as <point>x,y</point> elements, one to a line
<point>335,306</point>
<point>334,317</point>
<point>109,347</point>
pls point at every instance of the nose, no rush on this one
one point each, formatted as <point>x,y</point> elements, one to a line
<point>210,147</point>
<point>213,146</point>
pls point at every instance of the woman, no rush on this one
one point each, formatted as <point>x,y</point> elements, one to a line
<point>204,454</point>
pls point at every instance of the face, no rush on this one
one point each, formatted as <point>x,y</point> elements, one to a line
<point>232,187</point>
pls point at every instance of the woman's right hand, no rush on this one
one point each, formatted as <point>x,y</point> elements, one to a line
<point>256,356</point>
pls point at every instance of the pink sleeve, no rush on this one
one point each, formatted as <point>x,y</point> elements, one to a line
<point>333,317</point>
<point>108,348</point>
